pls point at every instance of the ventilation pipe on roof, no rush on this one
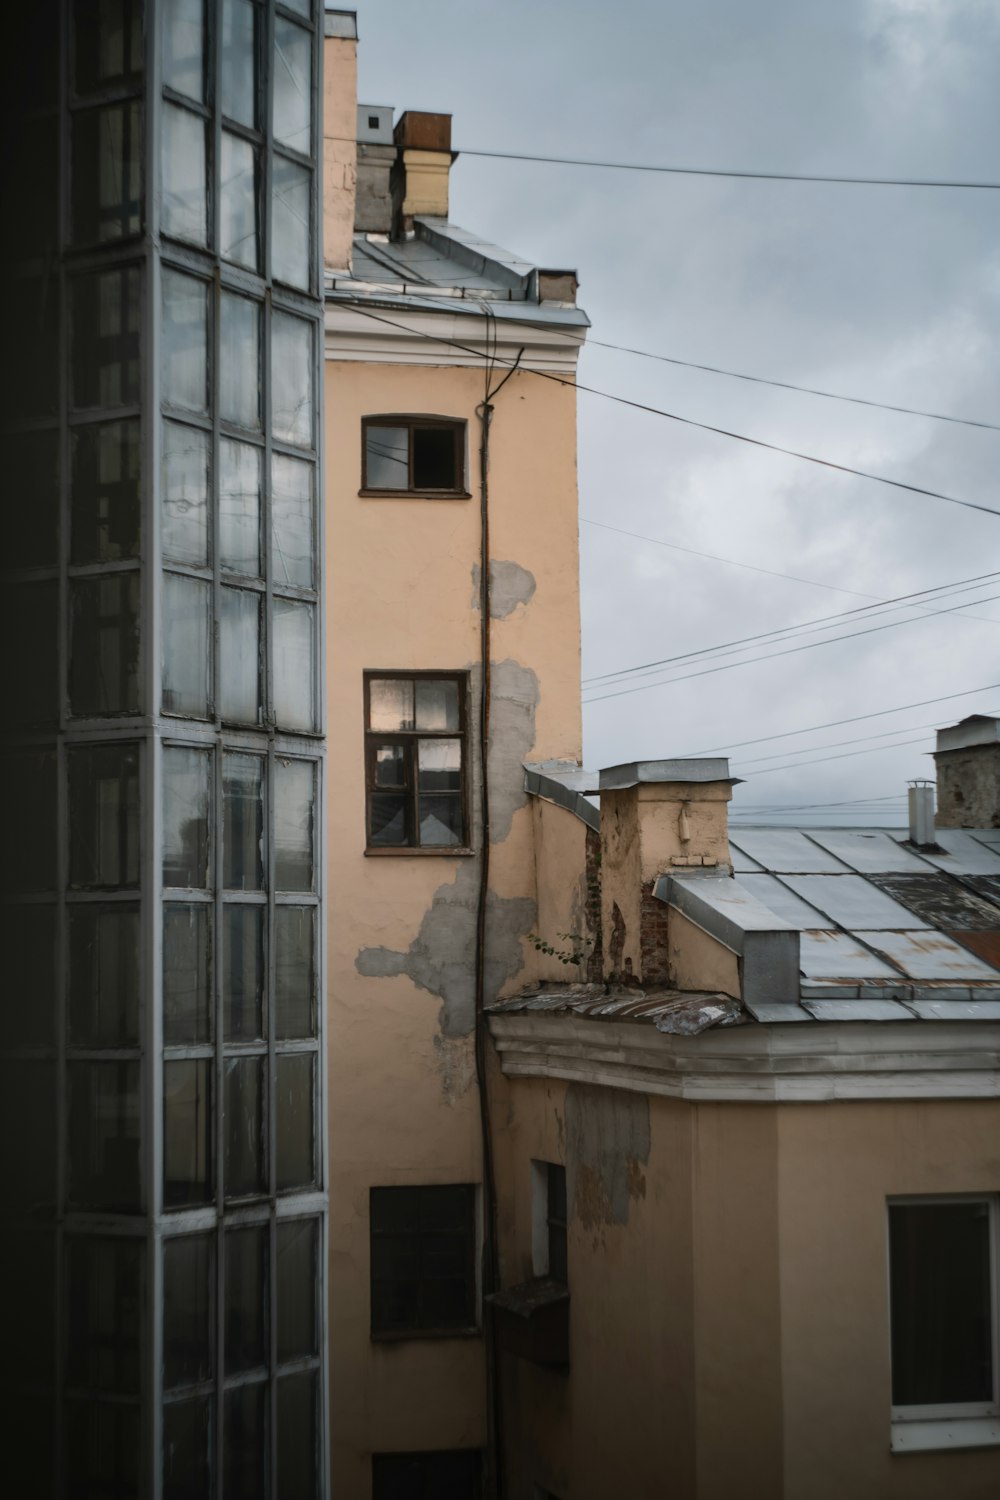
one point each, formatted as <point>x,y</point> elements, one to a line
<point>921,802</point>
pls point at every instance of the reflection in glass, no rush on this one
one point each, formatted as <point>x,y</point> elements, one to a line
<point>243,822</point>
<point>105,344</point>
<point>104,1307</point>
<point>104,1135</point>
<point>291,222</point>
<point>387,458</point>
<point>103,816</point>
<point>294,972</point>
<point>185,494</point>
<point>239,360</point>
<point>245,1172</point>
<point>187,994</point>
<point>390,703</point>
<point>185,816</point>
<point>103,975</point>
<point>183,210</point>
<point>295,1105</point>
<point>246,1409</point>
<point>439,776</point>
<point>297,1466</point>
<point>104,486</point>
<point>292,379</point>
<point>184,353</point>
<point>294,664</point>
<point>104,644</point>
<point>187,1309</point>
<point>246,1299</point>
<point>239,61</point>
<point>239,508</point>
<point>296,1289</point>
<point>187,1428</point>
<point>187,1095</point>
<point>107,172</point>
<point>187,660</point>
<point>239,656</point>
<point>293,527</point>
<point>294,814</point>
<point>243,973</point>
<point>437,703</point>
<point>238,203</point>
<point>183,55</point>
<point>292,85</point>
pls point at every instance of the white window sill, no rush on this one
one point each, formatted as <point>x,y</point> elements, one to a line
<point>962,1432</point>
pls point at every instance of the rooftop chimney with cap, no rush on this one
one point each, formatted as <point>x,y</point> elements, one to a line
<point>340,89</point>
<point>376,156</point>
<point>420,175</point>
<point>657,817</point>
<point>968,773</point>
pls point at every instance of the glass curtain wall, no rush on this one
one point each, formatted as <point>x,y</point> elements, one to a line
<point>163,766</point>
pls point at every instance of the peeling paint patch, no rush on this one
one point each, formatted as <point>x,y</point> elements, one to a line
<point>607,1143</point>
<point>441,958</point>
<point>510,585</point>
<point>512,737</point>
<point>456,1065</point>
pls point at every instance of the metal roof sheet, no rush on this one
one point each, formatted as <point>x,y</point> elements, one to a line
<point>779,898</point>
<point>851,901</point>
<point>931,955</point>
<point>867,850</point>
<point>963,854</point>
<point>956,1010</point>
<point>857,1010</point>
<point>839,956</point>
<point>785,851</point>
<point>941,901</point>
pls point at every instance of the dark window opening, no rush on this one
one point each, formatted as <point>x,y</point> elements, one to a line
<point>555,1218</point>
<point>413,455</point>
<point>455,1475</point>
<point>373,122</point>
<point>423,1259</point>
<point>415,758</point>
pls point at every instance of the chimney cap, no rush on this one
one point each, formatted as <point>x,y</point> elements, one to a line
<point>697,771</point>
<point>340,23</point>
<point>977,729</point>
<point>416,130</point>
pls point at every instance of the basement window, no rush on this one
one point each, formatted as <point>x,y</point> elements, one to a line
<point>416,752</point>
<point>413,456</point>
<point>944,1322</point>
<point>423,1261</point>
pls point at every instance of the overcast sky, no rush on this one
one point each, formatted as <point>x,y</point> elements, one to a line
<point>887,293</point>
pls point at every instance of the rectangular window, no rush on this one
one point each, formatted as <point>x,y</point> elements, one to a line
<point>943,1312</point>
<point>548,1220</point>
<point>413,455</point>
<point>456,1475</point>
<point>416,752</point>
<point>423,1260</point>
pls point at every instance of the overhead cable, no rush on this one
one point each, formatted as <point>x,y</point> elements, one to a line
<point>844,755</point>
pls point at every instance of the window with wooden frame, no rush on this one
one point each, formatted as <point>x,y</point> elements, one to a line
<point>413,455</point>
<point>423,1260</point>
<point>416,757</point>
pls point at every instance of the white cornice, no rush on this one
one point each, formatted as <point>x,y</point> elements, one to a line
<point>429,338</point>
<point>911,1060</point>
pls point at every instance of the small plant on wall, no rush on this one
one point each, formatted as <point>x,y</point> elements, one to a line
<point>577,953</point>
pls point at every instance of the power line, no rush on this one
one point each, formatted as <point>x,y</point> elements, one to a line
<point>844,755</point>
<point>657,411</point>
<point>837,744</point>
<point>786,385</point>
<point>815,806</point>
<point>631,166</point>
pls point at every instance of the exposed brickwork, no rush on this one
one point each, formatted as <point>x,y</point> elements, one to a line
<point>592,908</point>
<point>653,938</point>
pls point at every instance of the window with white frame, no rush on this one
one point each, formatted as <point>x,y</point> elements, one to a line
<point>944,1319</point>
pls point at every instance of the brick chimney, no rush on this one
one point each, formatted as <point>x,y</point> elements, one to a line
<point>657,817</point>
<point>967,759</point>
<point>420,174</point>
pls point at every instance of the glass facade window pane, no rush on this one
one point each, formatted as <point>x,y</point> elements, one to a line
<point>103,1446</point>
<point>105,343</point>
<point>184,349</point>
<point>28,942</point>
<point>292,86</point>
<point>184,528</point>
<point>33,313</point>
<point>187,660</point>
<point>104,644</point>
<point>439,780</point>
<point>186,805</point>
<point>297,1436</point>
<point>247,1316</point>
<point>239,202</point>
<point>107,172</point>
<point>104,976</point>
<point>187,1436</point>
<point>239,61</point>
<point>184,47</point>
<point>239,656</point>
<point>103,816</point>
<point>187,992</point>
<point>390,703</point>
<point>239,508</point>
<point>183,210</point>
<point>291,222</point>
<point>294,971</point>
<point>104,492</point>
<point>239,361</point>
<point>29,680</point>
<point>292,380</point>
<point>107,45</point>
<point>296,1087</point>
<point>188,1279</point>
<point>28,815</point>
<point>301,7</point>
<point>28,1108</point>
<point>187,1128</point>
<point>387,458</point>
<point>293,521</point>
<point>294,824</point>
<point>245,1173</point>
<point>437,703</point>
<point>245,1446</point>
<point>33,540</point>
<point>105,1313</point>
<point>294,667</point>
<point>243,973</point>
<point>104,1135</point>
<point>243,822</point>
<point>298,1263</point>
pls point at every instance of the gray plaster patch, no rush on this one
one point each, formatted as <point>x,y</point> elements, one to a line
<point>607,1142</point>
<point>510,585</point>
<point>442,956</point>
<point>512,737</point>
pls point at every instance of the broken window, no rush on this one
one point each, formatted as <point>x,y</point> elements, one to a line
<point>423,1259</point>
<point>415,760</point>
<point>415,455</point>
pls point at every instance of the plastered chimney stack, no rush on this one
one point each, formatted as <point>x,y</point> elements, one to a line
<point>967,759</point>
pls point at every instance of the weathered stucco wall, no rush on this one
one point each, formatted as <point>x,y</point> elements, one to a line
<point>340,91</point>
<point>968,787</point>
<point>697,961</point>
<point>560,844</point>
